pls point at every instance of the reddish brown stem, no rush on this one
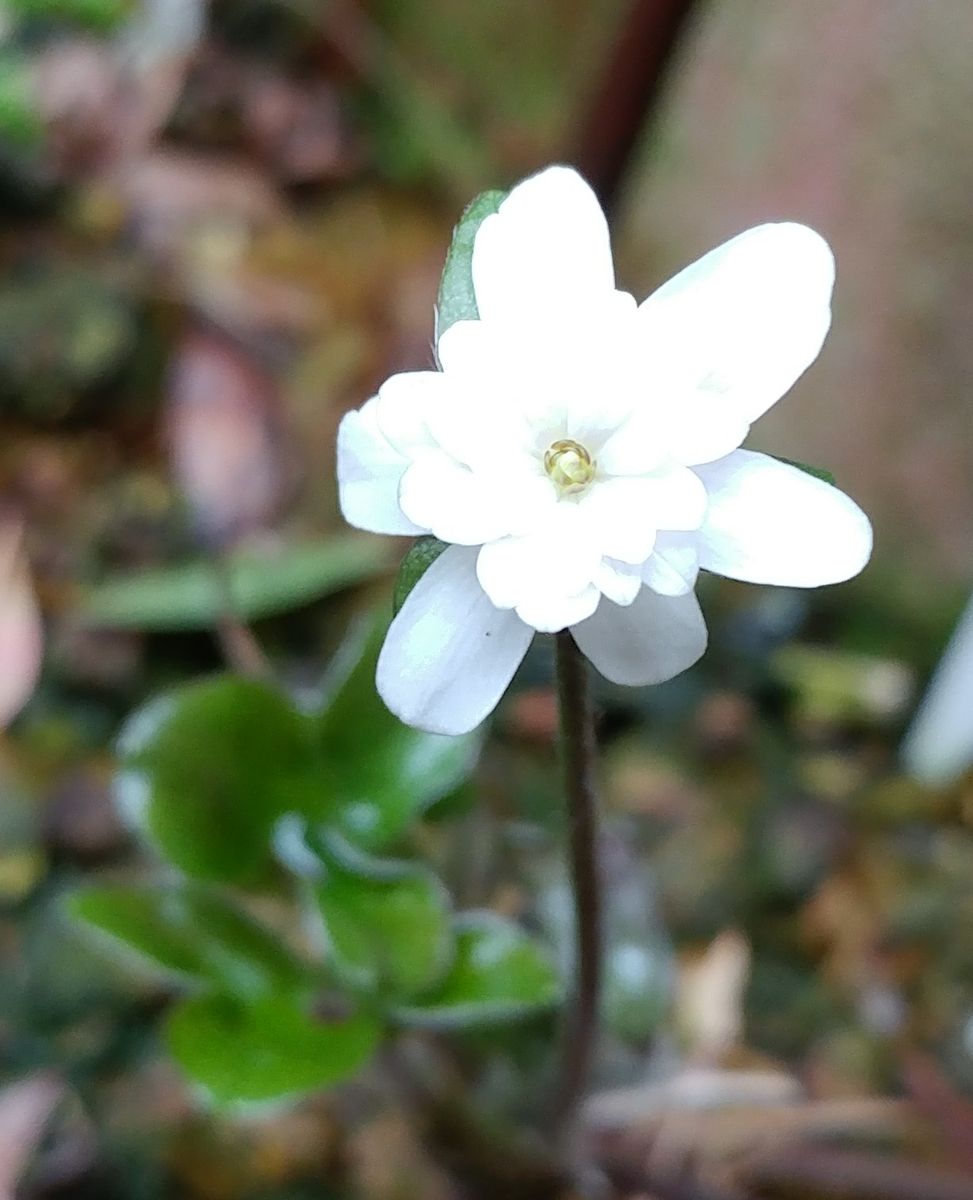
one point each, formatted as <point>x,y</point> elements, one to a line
<point>627,91</point>
<point>578,753</point>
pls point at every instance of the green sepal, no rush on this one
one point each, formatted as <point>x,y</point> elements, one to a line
<point>419,558</point>
<point>457,299</point>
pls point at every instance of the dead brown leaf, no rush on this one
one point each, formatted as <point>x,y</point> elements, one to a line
<point>21,634</point>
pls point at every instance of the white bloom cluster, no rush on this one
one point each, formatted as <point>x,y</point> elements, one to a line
<point>580,454</point>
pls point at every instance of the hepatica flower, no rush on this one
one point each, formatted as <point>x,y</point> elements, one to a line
<point>579,455</point>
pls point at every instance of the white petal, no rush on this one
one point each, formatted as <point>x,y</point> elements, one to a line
<point>403,406</point>
<point>558,560</point>
<point>369,473</point>
<point>468,348</point>
<point>626,512</point>
<point>635,447</point>
<point>673,566</point>
<point>702,428</point>
<point>768,522</point>
<point>692,428</point>
<point>744,322</point>
<point>545,250</point>
<point>451,501</point>
<point>555,611</point>
<point>653,639</point>
<point>618,581</point>
<point>449,655</point>
<point>484,432</point>
<point>622,516</point>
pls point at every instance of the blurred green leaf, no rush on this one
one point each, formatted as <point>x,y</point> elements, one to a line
<point>387,923</point>
<point>208,769</point>
<point>457,300</point>
<point>260,585</point>
<point>265,1051</point>
<point>421,555</point>
<point>195,932</point>
<point>100,15</point>
<point>383,774</point>
<point>818,472</point>
<point>20,124</point>
<point>500,974</point>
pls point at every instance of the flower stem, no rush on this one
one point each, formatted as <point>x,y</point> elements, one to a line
<point>578,751</point>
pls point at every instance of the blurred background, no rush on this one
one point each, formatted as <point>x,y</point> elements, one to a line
<point>223,225</point>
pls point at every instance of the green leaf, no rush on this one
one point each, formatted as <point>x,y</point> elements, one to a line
<point>20,124</point>
<point>265,1051</point>
<point>260,585</point>
<point>457,300</point>
<point>818,472</point>
<point>101,15</point>
<point>499,974</point>
<point>387,923</point>
<point>383,774</point>
<point>421,555</point>
<point>208,769</point>
<point>194,932</point>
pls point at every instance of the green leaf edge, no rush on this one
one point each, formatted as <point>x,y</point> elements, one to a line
<point>427,1016</point>
<point>171,1031</point>
<point>329,844</point>
<point>129,600</point>
<point>821,473</point>
<point>202,976</point>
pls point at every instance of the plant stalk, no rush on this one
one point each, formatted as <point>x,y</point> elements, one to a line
<point>578,753</point>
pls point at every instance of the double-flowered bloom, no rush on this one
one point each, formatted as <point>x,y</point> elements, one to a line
<point>580,454</point>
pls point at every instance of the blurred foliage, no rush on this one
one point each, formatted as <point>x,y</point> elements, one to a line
<point>251,584</point>
<point>99,15</point>
<point>20,125</point>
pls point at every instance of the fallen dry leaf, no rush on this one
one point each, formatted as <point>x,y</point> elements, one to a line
<point>710,996</point>
<point>225,453</point>
<point>21,634</point>
<point>25,1109</point>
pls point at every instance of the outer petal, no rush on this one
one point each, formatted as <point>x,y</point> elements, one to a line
<point>546,249</point>
<point>768,522</point>
<point>449,654</point>
<point>673,566</point>
<point>369,472</point>
<point>653,639</point>
<point>746,320</point>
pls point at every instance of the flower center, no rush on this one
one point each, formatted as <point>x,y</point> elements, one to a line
<point>569,466</point>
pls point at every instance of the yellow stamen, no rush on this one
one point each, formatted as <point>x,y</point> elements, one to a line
<point>569,466</point>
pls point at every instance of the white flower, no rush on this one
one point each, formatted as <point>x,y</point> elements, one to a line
<point>579,452</point>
